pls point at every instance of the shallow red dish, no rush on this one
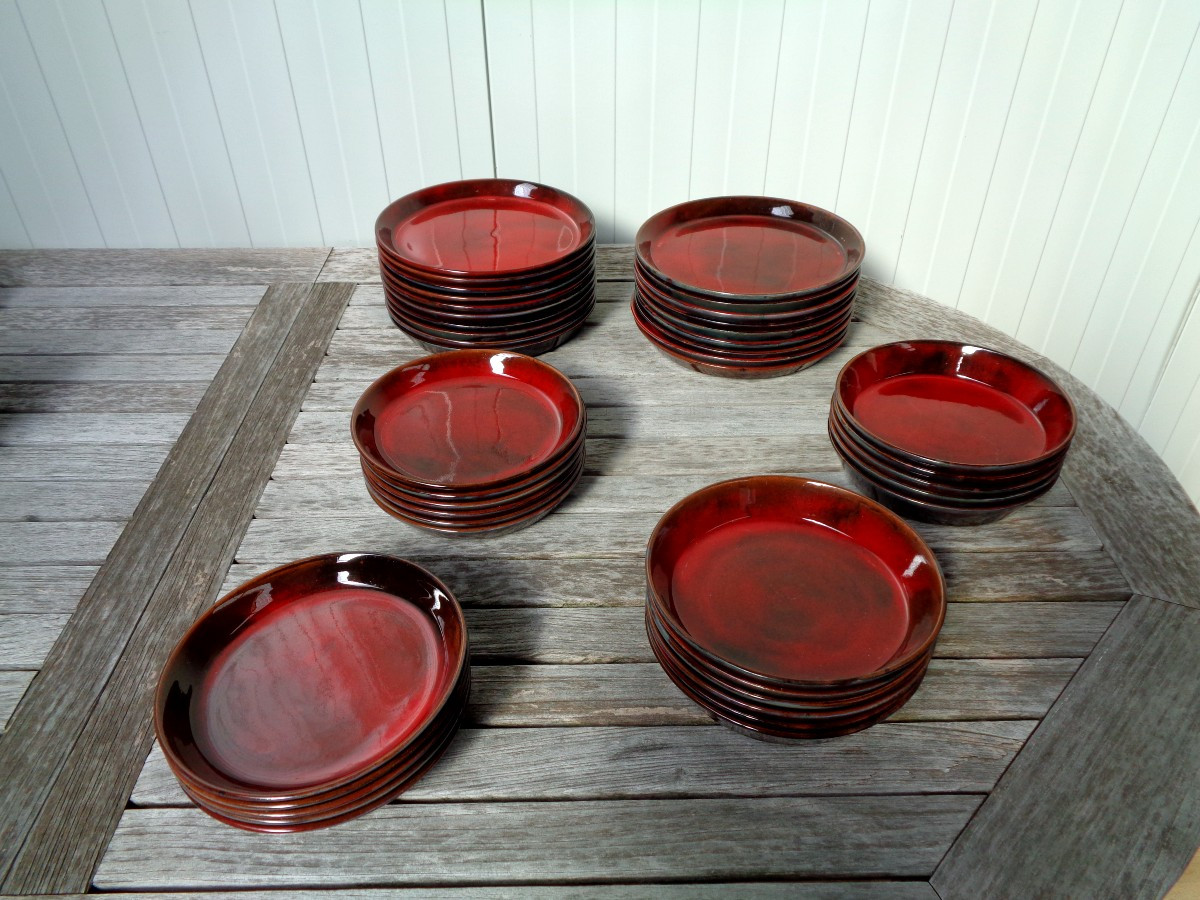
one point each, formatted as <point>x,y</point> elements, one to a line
<point>941,403</point>
<point>795,582</point>
<point>468,420</point>
<point>479,302</point>
<point>746,247</point>
<point>747,309</point>
<point>309,676</point>
<point>484,227</point>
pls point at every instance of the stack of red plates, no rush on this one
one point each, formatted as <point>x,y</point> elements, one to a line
<point>471,441</point>
<point>788,608</point>
<point>315,692</point>
<point>490,262</point>
<point>746,287</point>
<point>949,433</point>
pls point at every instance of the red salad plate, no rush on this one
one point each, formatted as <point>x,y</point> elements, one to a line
<point>311,681</point>
<point>485,227</point>
<point>740,247</point>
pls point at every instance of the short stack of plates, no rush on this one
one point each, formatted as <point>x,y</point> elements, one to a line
<point>949,433</point>
<point>489,262</point>
<point>471,441</point>
<point>789,608</point>
<point>746,287</point>
<point>315,692</point>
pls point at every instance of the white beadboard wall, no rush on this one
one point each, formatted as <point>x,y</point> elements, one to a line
<point>1033,162</point>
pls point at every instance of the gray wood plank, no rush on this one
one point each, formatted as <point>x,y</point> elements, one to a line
<point>1135,503</point>
<point>1104,800</point>
<point>614,840</point>
<point>45,727</point>
<point>26,639</point>
<point>566,534</point>
<point>46,501</point>
<point>159,267</point>
<point>67,299</point>
<point>109,462</point>
<point>126,318</point>
<point>641,694</point>
<point>57,543</point>
<point>82,806</point>
<point>12,687</point>
<point>44,589</point>
<point>361,264</point>
<point>510,764</point>
<point>1086,575</point>
<point>744,890</point>
<point>90,428</point>
<point>110,367</point>
<point>124,396</point>
<point>129,341</point>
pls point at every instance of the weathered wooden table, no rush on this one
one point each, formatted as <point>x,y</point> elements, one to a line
<point>1054,748</point>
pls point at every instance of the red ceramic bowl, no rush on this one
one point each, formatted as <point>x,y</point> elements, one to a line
<point>484,227</point>
<point>483,288</point>
<point>751,308</point>
<point>925,511</point>
<point>474,420</point>
<point>793,582</point>
<point>295,684</point>
<point>946,405</point>
<point>741,247</point>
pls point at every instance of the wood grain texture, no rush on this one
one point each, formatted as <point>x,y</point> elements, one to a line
<point>128,341</point>
<point>125,396</point>
<point>26,639</point>
<point>57,429</point>
<point>1131,497</point>
<point>82,806</point>
<point>46,501</point>
<point>509,764</point>
<point>110,367</point>
<point>805,890</point>
<point>114,462</point>
<point>616,840</point>
<point>1099,805</point>
<point>68,299</point>
<point>37,268</point>
<point>123,318</point>
<point>44,589</point>
<point>58,543</point>
<point>58,704</point>
<point>361,264</point>
<point>12,688</point>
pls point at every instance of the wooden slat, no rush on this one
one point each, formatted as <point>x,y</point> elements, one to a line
<point>66,299</point>
<point>615,840</point>
<point>1135,503</point>
<point>510,764</point>
<point>57,543</point>
<point>114,367</point>
<point>75,342</point>
<point>138,397</point>
<point>113,462</point>
<point>12,687</point>
<point>566,534</point>
<point>1104,800</point>
<point>26,639</point>
<point>1086,575</point>
<point>44,589</point>
<point>47,501</point>
<point>744,890</point>
<point>361,264</point>
<point>641,693</point>
<point>45,727</point>
<point>95,428</point>
<point>124,318</point>
<point>81,808</point>
<point>159,267</point>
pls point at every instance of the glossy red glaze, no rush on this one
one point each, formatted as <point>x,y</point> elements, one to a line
<point>552,317</point>
<point>309,676</point>
<point>749,246</point>
<point>483,286</point>
<point>795,581</point>
<point>529,347</point>
<point>486,226</point>
<point>925,511</point>
<point>941,402</point>
<point>475,419</point>
<point>491,303</point>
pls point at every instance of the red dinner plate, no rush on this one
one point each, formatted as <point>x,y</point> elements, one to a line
<point>484,302</point>
<point>745,247</point>
<point>703,304</point>
<point>796,582</point>
<point>310,675</point>
<point>468,420</point>
<point>484,227</point>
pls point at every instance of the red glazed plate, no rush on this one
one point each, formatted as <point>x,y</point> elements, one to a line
<point>309,676</point>
<point>485,227</point>
<point>704,305</point>
<point>743,247</point>
<point>795,582</point>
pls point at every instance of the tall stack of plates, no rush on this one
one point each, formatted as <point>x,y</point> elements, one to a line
<point>490,262</point>
<point>746,287</point>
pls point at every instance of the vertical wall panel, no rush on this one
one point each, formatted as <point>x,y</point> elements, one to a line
<point>78,57</point>
<point>1141,69</point>
<point>1172,422</point>
<point>334,94</point>
<point>984,49</point>
<point>814,93</point>
<point>35,156</point>
<point>898,70</point>
<point>511,72</point>
<point>161,56</point>
<point>12,229</point>
<point>472,105</point>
